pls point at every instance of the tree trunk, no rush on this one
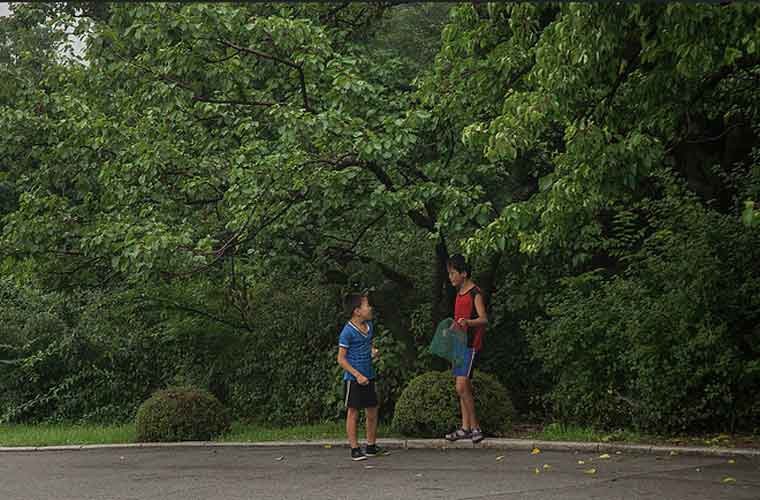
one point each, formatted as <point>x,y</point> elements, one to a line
<point>443,292</point>
<point>488,278</point>
<point>442,305</point>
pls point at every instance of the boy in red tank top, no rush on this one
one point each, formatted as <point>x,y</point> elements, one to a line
<point>470,314</point>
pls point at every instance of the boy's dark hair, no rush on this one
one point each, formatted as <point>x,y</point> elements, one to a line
<point>458,263</point>
<point>351,301</point>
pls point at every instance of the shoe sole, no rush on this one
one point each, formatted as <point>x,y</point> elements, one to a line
<point>451,440</point>
<point>478,440</point>
<point>383,453</point>
<point>358,459</point>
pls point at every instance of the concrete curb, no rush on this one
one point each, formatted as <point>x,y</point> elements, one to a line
<point>407,444</point>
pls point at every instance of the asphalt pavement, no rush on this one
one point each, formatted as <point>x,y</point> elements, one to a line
<point>317,472</point>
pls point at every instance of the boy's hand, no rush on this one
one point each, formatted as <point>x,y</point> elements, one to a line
<point>362,379</point>
<point>375,353</point>
<point>463,322</point>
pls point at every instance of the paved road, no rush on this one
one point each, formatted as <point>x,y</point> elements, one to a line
<point>319,473</point>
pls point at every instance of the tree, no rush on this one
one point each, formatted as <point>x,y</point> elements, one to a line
<point>563,84</point>
<point>216,140</point>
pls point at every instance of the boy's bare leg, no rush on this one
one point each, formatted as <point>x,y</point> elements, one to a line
<point>466,403</point>
<point>460,387</point>
<point>469,401</point>
<point>352,415</point>
<point>371,425</point>
<point>465,416</point>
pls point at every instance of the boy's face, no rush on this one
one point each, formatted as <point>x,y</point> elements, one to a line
<point>364,311</point>
<point>456,277</point>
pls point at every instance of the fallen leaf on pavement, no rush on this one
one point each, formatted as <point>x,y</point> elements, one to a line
<point>280,459</point>
<point>535,451</point>
<point>500,457</point>
<point>581,462</point>
<point>547,466</point>
<point>728,479</point>
<point>328,446</point>
<point>673,453</point>
<point>732,461</point>
<point>536,471</point>
<point>606,455</point>
<point>369,466</point>
<point>590,471</point>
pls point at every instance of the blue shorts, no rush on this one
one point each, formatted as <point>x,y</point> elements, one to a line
<point>470,360</point>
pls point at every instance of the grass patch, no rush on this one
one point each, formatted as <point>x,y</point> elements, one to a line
<point>564,432</point>
<point>70,434</point>
<point>65,434</point>
<point>248,433</point>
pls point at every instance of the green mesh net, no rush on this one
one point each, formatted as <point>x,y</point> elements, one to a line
<point>449,342</point>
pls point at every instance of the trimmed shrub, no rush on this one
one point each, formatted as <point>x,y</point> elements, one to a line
<point>181,414</point>
<point>429,405</point>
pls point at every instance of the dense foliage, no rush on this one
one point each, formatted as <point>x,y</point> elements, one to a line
<point>187,201</point>
<point>84,356</point>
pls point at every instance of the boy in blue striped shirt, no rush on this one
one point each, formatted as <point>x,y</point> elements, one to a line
<point>355,353</point>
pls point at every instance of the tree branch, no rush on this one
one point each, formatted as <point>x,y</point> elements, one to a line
<point>186,86</point>
<point>236,102</point>
<point>713,80</point>
<point>169,304</point>
<point>349,160</point>
<point>709,84</point>
<point>344,255</point>
<point>366,228</point>
<point>216,61</point>
<point>258,53</point>
<point>271,57</point>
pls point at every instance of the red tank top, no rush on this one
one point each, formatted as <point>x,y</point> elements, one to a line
<point>464,307</point>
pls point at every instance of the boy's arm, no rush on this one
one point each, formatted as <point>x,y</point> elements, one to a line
<point>480,307</point>
<point>374,351</point>
<point>343,362</point>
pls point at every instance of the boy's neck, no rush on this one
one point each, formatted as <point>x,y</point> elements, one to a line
<point>468,283</point>
<point>357,320</point>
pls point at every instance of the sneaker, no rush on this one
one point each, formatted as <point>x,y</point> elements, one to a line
<point>373,450</point>
<point>357,454</point>
<point>477,435</point>
<point>458,434</point>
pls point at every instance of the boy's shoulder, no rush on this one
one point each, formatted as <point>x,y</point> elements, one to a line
<point>472,292</point>
<point>350,329</point>
<point>345,338</point>
<point>347,329</point>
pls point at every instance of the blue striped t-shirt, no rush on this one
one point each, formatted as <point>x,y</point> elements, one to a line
<point>358,347</point>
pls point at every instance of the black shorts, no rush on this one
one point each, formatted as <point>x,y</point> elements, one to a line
<point>360,396</point>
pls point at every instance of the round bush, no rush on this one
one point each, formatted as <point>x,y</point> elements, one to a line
<point>429,405</point>
<point>181,414</point>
